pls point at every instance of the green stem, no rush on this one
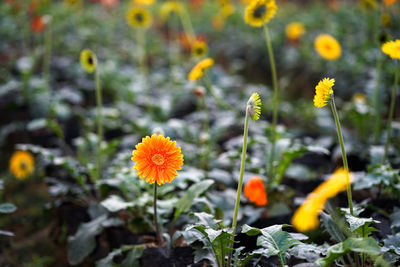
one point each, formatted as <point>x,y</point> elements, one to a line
<point>345,165</point>
<point>274,99</point>
<point>187,25</point>
<point>391,111</point>
<point>239,188</point>
<point>99,121</point>
<point>376,100</point>
<point>158,234</point>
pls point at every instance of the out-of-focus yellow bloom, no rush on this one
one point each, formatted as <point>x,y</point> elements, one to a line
<point>259,12</point>
<point>327,47</point>
<point>392,48</point>
<point>295,30</point>
<point>359,98</point>
<point>227,10</point>
<point>169,8</point>
<point>73,3</point>
<point>144,2</point>
<point>306,216</point>
<point>389,2</point>
<point>199,48</point>
<point>198,71</point>
<point>254,106</point>
<point>368,4</point>
<point>138,17</point>
<point>323,92</point>
<point>88,60</point>
<point>218,21</point>
<point>22,164</point>
<point>386,19</point>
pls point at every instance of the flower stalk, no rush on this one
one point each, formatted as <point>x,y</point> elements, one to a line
<point>344,157</point>
<point>274,102</point>
<point>99,103</point>
<point>253,110</point>
<point>159,240</point>
<point>239,188</point>
<point>391,111</point>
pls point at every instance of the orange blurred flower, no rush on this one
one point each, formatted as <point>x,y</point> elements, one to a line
<point>389,2</point>
<point>37,24</point>
<point>157,159</point>
<point>254,190</point>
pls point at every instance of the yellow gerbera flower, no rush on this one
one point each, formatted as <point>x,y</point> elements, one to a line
<point>88,60</point>
<point>138,17</point>
<point>323,92</point>
<point>199,48</point>
<point>198,71</point>
<point>259,12</point>
<point>254,106</point>
<point>392,48</point>
<point>327,47</point>
<point>169,8</point>
<point>144,2</point>
<point>295,30</point>
<point>22,164</point>
<point>306,216</point>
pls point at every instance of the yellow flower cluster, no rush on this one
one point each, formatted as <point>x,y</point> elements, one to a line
<point>254,106</point>
<point>323,92</point>
<point>328,47</point>
<point>198,71</point>
<point>22,164</point>
<point>392,48</point>
<point>306,217</point>
<point>259,12</point>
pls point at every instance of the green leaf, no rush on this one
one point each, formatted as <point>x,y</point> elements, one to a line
<point>115,203</point>
<point>332,227</point>
<point>309,252</point>
<point>356,222</point>
<point>7,233</point>
<point>136,253</point>
<point>392,242</point>
<point>193,192</point>
<point>361,245</point>
<point>83,242</point>
<point>276,241</point>
<point>7,208</point>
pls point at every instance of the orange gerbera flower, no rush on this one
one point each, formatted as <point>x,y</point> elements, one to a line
<point>157,159</point>
<point>254,190</point>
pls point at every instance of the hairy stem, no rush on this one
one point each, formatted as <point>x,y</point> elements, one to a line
<point>239,188</point>
<point>344,157</point>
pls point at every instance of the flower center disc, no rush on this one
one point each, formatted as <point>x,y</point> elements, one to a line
<point>260,11</point>
<point>158,159</point>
